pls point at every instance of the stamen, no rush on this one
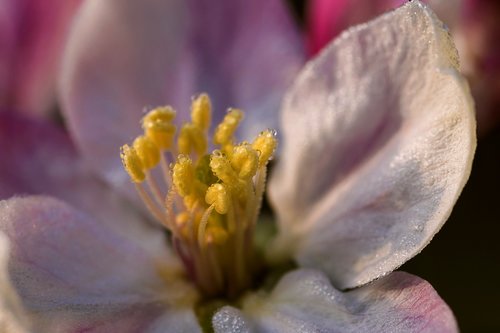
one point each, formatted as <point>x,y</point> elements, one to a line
<point>191,139</point>
<point>213,199</point>
<point>201,112</point>
<point>158,127</point>
<point>203,225</point>
<point>225,131</point>
<point>132,164</point>
<point>266,144</point>
<point>152,207</point>
<point>244,161</point>
<point>217,196</point>
<point>183,175</point>
<point>147,151</point>
<point>221,167</point>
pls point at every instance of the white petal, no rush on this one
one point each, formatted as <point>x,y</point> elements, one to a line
<point>178,319</point>
<point>12,315</point>
<point>229,319</point>
<point>379,141</point>
<point>72,272</point>
<point>304,301</point>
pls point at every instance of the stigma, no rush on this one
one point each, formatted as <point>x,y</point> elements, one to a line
<point>209,201</point>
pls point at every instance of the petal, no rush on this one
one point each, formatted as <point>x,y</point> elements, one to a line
<point>12,316</point>
<point>72,272</point>
<point>305,301</point>
<point>32,35</point>
<point>326,19</point>
<point>243,53</point>
<point>477,31</point>
<point>379,140</point>
<point>39,158</point>
<point>229,320</point>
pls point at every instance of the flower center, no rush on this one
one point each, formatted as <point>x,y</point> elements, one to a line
<point>212,200</point>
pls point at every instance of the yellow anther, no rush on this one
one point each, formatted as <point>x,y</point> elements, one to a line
<point>225,131</point>
<point>157,125</point>
<point>216,235</point>
<point>147,152</point>
<point>201,112</point>
<point>266,144</point>
<point>217,195</point>
<point>221,167</point>
<point>161,114</point>
<point>162,134</point>
<point>190,139</point>
<point>183,175</point>
<point>245,161</point>
<point>132,164</point>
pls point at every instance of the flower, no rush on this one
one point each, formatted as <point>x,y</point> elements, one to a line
<point>31,41</point>
<point>377,143</point>
<point>473,24</point>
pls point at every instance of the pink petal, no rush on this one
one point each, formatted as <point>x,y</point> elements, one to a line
<point>379,139</point>
<point>128,55</point>
<point>478,30</point>
<point>39,158</point>
<point>32,34</point>
<point>74,274</point>
<point>326,19</point>
<point>305,301</point>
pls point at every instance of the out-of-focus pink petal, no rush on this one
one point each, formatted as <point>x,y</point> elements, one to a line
<point>39,158</point>
<point>478,32</point>
<point>73,273</point>
<point>126,55</point>
<point>379,137</point>
<point>32,34</point>
<point>474,25</point>
<point>326,19</point>
<point>305,301</point>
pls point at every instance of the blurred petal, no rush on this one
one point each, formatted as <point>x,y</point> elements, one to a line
<point>477,33</point>
<point>126,55</point>
<point>379,138</point>
<point>12,316</point>
<point>39,158</point>
<point>178,319</point>
<point>32,34</point>
<point>74,273</point>
<point>326,19</point>
<point>305,301</point>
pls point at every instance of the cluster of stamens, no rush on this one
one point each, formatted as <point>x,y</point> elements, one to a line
<point>208,202</point>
